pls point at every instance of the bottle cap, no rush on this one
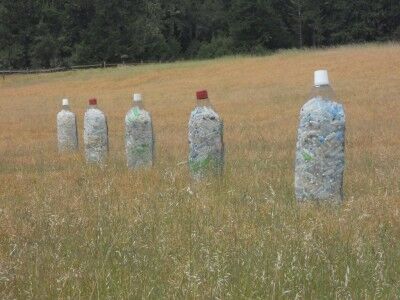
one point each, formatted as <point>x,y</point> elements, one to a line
<point>321,77</point>
<point>65,102</point>
<point>93,101</point>
<point>201,95</point>
<point>137,97</point>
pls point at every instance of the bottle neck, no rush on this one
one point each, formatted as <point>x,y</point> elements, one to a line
<point>138,104</point>
<point>324,92</point>
<point>92,106</point>
<point>65,107</point>
<point>203,103</point>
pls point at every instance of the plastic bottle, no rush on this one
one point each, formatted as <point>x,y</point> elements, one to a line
<point>206,147</point>
<point>95,134</point>
<point>67,135</point>
<point>320,153</point>
<point>139,140</point>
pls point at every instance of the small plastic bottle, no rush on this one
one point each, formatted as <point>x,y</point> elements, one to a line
<point>139,139</point>
<point>206,146</point>
<point>66,129</point>
<point>320,153</point>
<point>95,134</point>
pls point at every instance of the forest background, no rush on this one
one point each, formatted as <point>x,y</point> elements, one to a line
<point>61,33</point>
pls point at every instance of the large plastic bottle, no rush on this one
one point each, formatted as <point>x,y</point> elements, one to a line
<point>95,134</point>
<point>320,153</point>
<point>206,147</point>
<point>139,140</point>
<point>67,135</point>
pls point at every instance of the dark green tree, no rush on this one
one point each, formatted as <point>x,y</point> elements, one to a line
<point>255,25</point>
<point>50,33</point>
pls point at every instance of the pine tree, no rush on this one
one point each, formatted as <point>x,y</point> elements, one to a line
<point>255,25</point>
<point>50,33</point>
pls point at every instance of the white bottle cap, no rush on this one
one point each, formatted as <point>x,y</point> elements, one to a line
<point>321,77</point>
<point>65,102</point>
<point>137,97</point>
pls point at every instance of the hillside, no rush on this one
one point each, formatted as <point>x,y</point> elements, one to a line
<point>69,230</point>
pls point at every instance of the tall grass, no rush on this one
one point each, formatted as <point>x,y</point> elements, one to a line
<point>68,230</point>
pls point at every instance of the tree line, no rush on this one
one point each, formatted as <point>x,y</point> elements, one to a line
<point>52,33</point>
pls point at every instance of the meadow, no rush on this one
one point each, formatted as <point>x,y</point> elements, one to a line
<point>72,231</point>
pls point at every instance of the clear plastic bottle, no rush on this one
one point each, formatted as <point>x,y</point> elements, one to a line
<point>320,150</point>
<point>139,138</point>
<point>95,134</point>
<point>206,146</point>
<point>66,129</point>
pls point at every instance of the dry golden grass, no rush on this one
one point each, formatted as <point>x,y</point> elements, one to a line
<point>72,231</point>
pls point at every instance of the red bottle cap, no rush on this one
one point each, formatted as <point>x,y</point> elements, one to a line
<point>93,101</point>
<point>201,95</point>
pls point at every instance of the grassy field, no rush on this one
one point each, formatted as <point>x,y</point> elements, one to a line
<point>68,230</point>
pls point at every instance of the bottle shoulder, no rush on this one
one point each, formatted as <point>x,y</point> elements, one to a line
<point>94,112</point>
<point>325,92</point>
<point>321,103</point>
<point>201,112</point>
<point>65,113</point>
<point>317,109</point>
<point>136,114</point>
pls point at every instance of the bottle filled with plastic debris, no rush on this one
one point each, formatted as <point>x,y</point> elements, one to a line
<point>320,151</point>
<point>206,146</point>
<point>66,129</point>
<point>139,138</point>
<point>95,134</point>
